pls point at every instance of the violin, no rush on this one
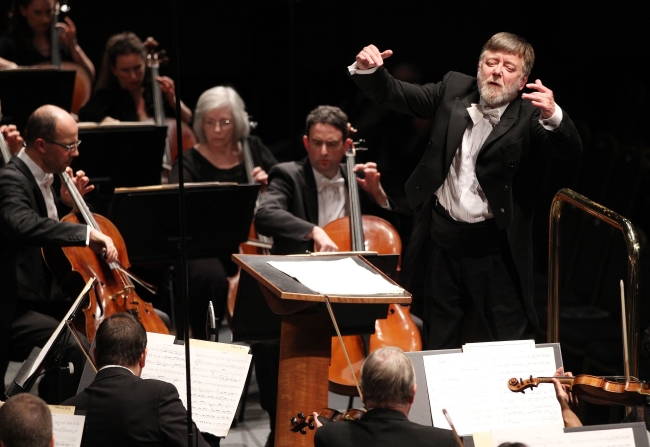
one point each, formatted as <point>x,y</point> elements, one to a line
<point>300,422</point>
<point>594,389</point>
<point>367,233</point>
<point>113,292</point>
<point>154,60</point>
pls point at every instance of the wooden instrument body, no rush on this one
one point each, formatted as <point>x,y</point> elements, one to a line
<point>113,291</point>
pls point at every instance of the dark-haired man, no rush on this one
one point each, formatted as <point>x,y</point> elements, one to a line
<point>304,196</point>
<point>475,185</point>
<point>25,421</point>
<point>121,408</point>
<point>387,389</point>
<point>32,305</point>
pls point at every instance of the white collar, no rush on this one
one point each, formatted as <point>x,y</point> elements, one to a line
<point>42,178</point>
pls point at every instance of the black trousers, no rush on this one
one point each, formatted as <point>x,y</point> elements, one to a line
<point>472,292</point>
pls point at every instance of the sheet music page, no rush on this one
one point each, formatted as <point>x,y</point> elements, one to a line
<point>473,388</point>
<point>351,278</point>
<point>218,379</point>
<point>531,434</point>
<point>618,437</point>
<point>160,339</point>
<point>493,346</point>
<point>67,429</point>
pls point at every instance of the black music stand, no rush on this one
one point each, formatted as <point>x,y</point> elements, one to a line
<point>218,220</point>
<point>23,90</point>
<point>120,156</point>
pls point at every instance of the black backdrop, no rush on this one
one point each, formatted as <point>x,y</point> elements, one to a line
<point>287,56</point>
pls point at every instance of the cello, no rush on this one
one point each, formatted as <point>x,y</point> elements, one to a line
<point>154,60</point>
<point>82,82</point>
<point>113,292</point>
<point>367,233</point>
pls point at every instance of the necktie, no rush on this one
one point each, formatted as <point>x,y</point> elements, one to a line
<point>490,114</point>
<point>326,183</point>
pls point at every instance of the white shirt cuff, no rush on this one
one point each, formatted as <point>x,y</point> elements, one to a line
<point>87,235</point>
<point>354,70</point>
<point>553,122</point>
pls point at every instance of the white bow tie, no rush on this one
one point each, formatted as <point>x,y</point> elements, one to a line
<point>48,180</point>
<point>478,111</point>
<point>326,182</point>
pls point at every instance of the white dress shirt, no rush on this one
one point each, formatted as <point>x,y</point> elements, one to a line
<point>332,197</point>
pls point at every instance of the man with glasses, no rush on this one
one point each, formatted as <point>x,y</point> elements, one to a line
<point>32,304</point>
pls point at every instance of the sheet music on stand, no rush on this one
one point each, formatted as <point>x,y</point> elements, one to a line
<point>218,372</point>
<point>67,427</point>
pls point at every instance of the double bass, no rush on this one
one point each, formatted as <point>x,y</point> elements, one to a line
<point>367,233</point>
<point>113,292</point>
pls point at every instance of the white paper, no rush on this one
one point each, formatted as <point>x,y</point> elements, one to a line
<point>618,437</point>
<point>67,429</point>
<point>160,339</point>
<point>218,379</point>
<point>473,388</point>
<point>489,348</point>
<point>337,277</point>
<point>531,434</point>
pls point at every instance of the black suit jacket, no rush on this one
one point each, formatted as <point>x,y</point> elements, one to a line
<point>24,229</point>
<point>382,428</point>
<point>508,163</point>
<point>289,209</point>
<point>124,410</point>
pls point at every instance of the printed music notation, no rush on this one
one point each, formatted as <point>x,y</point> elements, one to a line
<point>218,379</point>
<point>472,386</point>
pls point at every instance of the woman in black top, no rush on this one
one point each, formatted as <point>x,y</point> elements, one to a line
<point>221,125</point>
<point>123,90</point>
<point>29,41</point>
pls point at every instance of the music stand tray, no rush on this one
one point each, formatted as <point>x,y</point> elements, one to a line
<point>305,332</point>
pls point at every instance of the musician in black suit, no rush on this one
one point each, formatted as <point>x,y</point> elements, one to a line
<point>304,196</point>
<point>121,408</point>
<point>475,184</point>
<point>32,305</point>
<point>388,389</point>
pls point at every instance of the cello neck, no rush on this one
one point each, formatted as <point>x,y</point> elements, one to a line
<point>248,160</point>
<point>154,60</point>
<point>356,226</point>
<point>6,153</point>
<point>55,51</point>
<point>79,201</point>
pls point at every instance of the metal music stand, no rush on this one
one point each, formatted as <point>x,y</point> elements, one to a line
<point>23,90</point>
<point>218,219</point>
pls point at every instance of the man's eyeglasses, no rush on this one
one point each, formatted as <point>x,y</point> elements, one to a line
<point>69,147</point>
<point>224,124</point>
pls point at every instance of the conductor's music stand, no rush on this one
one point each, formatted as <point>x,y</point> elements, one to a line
<point>271,304</point>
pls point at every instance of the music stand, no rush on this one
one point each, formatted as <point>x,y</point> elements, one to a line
<point>24,90</point>
<point>115,156</point>
<point>218,219</point>
<point>305,331</point>
<point>34,364</point>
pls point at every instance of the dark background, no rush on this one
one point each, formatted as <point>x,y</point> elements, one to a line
<point>285,57</point>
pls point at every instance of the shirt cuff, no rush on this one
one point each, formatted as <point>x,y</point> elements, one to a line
<point>553,122</point>
<point>354,70</point>
<point>87,235</point>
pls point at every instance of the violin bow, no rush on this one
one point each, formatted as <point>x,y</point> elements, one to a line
<point>626,355</point>
<point>453,429</point>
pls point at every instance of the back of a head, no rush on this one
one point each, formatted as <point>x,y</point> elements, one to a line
<point>387,378</point>
<point>120,340</point>
<point>25,421</point>
<point>328,115</point>
<point>511,44</point>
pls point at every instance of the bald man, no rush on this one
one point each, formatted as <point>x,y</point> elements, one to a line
<point>31,305</point>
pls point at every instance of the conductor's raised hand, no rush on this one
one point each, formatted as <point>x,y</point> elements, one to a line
<point>371,182</point>
<point>371,57</point>
<point>542,98</point>
<point>103,245</point>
